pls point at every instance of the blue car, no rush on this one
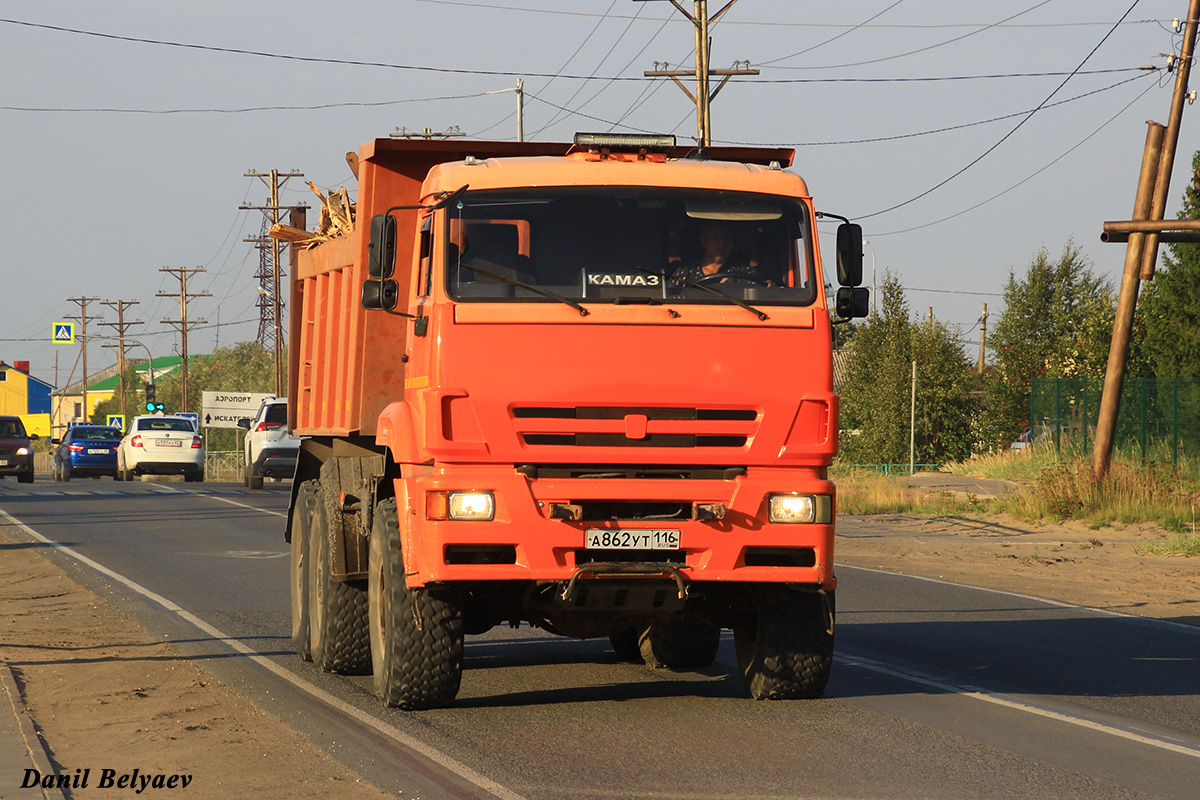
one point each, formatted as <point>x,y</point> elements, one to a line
<point>86,450</point>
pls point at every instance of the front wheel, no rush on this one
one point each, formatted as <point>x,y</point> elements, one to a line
<point>785,650</point>
<point>416,634</point>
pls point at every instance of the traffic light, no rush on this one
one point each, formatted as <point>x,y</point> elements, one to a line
<point>151,405</point>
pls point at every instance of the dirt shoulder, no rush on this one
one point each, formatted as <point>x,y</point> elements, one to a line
<point>1068,562</point>
<point>104,695</point>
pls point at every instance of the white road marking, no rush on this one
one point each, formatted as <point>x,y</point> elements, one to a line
<point>433,754</point>
<point>1165,623</point>
<point>1006,701</point>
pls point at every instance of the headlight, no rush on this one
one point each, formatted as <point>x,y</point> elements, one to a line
<point>800,508</point>
<point>23,451</point>
<point>479,506</point>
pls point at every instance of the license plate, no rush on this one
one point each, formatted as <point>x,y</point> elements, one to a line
<point>98,451</point>
<point>3,462</point>
<point>169,443</point>
<point>631,539</point>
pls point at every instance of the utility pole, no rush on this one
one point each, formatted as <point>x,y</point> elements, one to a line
<point>83,321</point>
<point>274,181</point>
<point>121,325</point>
<point>183,325</point>
<point>703,95</point>
<point>1143,233</point>
<point>982,336</point>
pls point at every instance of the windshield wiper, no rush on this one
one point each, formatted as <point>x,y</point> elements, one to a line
<point>694,285</point>
<point>583,312</point>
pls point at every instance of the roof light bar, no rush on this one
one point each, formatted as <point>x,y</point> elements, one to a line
<point>625,141</point>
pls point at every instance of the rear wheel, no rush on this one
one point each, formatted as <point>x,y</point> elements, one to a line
<point>337,610</point>
<point>253,479</point>
<point>625,644</point>
<point>64,473</point>
<point>416,634</point>
<point>785,651</point>
<point>679,643</point>
<point>301,513</point>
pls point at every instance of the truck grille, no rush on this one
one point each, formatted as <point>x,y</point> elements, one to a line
<point>625,426</point>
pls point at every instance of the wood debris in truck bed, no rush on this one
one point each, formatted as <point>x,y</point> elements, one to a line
<point>337,219</point>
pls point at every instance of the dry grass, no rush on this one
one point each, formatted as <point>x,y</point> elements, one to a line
<point>1056,487</point>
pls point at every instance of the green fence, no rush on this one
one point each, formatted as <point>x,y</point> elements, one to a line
<point>1157,417</point>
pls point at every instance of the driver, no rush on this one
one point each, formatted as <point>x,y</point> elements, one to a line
<point>719,262</point>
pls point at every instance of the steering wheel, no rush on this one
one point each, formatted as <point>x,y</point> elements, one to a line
<point>718,277</point>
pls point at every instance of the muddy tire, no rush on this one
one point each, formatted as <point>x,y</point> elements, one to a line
<point>416,634</point>
<point>338,639</point>
<point>298,576</point>
<point>785,651</point>
<point>679,643</point>
<point>625,644</point>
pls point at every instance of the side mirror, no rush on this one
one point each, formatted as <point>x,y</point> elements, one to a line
<point>33,437</point>
<point>853,303</point>
<point>244,422</point>
<point>849,254</point>
<point>381,248</point>
<point>380,295</point>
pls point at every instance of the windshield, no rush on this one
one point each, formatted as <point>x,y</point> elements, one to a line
<point>11,429</point>
<point>629,245</point>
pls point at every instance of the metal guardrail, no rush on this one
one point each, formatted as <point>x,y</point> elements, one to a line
<point>224,465</point>
<point>892,470</point>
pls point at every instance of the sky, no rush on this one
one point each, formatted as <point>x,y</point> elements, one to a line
<point>963,135</point>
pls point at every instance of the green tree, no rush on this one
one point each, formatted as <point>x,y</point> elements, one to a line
<point>1057,322</point>
<point>1171,302</point>
<point>876,393</point>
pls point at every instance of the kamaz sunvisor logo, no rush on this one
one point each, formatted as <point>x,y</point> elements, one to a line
<point>623,279</point>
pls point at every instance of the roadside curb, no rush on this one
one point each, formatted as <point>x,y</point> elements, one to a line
<point>25,746</point>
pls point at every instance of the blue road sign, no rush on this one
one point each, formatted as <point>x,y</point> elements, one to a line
<point>63,333</point>
<point>115,421</point>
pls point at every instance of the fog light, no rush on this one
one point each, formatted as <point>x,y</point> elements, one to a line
<point>790,508</point>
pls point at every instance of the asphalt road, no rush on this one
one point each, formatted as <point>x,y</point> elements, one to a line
<point>938,691</point>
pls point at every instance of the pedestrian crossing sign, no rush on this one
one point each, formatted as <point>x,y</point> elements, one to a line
<point>63,333</point>
<point>115,421</point>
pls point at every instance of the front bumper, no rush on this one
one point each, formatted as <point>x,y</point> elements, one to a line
<point>523,542</point>
<point>13,464</point>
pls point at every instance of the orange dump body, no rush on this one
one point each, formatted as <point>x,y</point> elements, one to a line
<point>601,412</point>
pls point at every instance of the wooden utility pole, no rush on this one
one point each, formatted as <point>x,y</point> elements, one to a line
<point>121,325</point>
<point>703,95</point>
<point>982,336</point>
<point>274,181</point>
<point>1143,232</point>
<point>83,321</point>
<point>183,324</point>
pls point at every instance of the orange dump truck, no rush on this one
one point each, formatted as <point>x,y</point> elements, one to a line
<point>585,386</point>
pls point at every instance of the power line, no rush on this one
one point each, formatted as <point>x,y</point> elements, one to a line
<point>895,26</point>
<point>947,129</point>
<point>1027,178</point>
<point>1008,135</point>
<point>910,52</point>
<point>454,71</point>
